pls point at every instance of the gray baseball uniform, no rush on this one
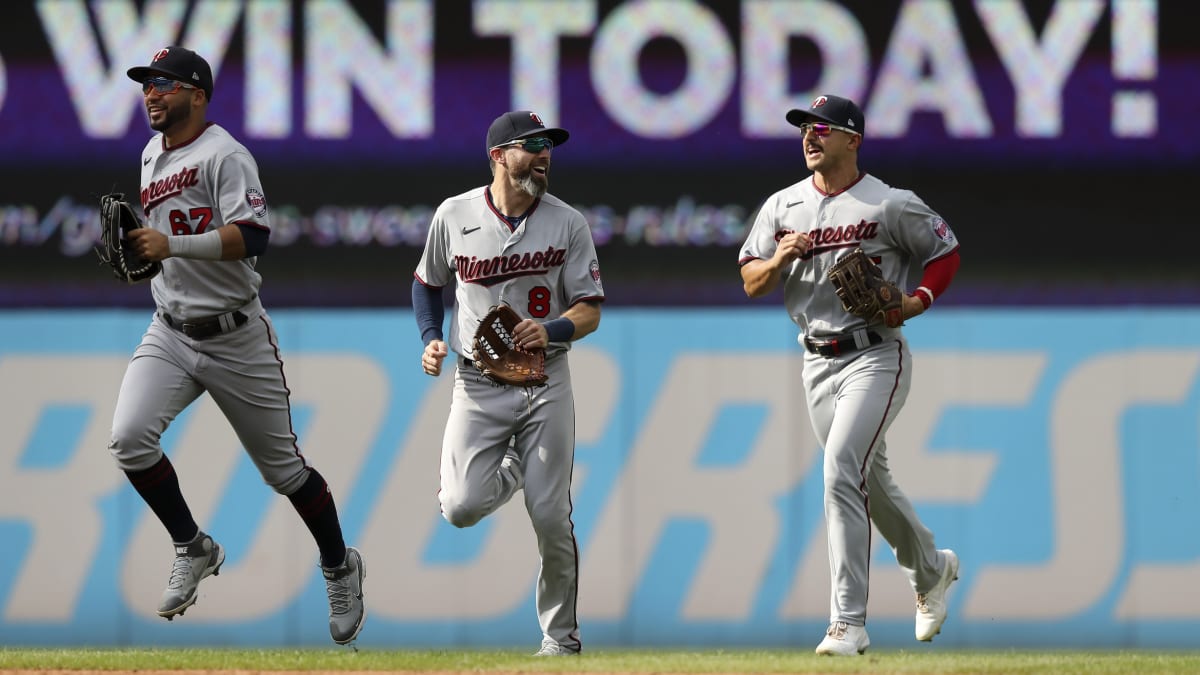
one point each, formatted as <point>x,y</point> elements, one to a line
<point>855,391</point>
<point>540,267</point>
<point>210,333</point>
<point>209,182</point>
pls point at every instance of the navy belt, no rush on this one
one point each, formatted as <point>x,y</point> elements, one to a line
<point>202,329</point>
<point>836,345</point>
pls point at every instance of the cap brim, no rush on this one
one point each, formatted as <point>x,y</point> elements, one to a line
<point>140,73</point>
<point>556,135</point>
<point>796,117</point>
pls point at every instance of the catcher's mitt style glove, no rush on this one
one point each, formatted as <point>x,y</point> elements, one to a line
<point>863,290</point>
<point>116,218</point>
<point>499,358</point>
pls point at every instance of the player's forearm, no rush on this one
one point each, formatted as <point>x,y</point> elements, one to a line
<point>937,277</point>
<point>586,317</point>
<point>430,310</point>
<point>233,246</point>
<point>223,243</point>
<point>760,277</point>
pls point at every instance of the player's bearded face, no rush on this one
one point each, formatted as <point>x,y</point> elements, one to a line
<point>165,111</point>
<point>529,172</point>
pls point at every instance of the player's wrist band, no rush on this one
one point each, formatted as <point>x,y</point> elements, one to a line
<point>561,329</point>
<point>925,295</point>
<point>205,246</point>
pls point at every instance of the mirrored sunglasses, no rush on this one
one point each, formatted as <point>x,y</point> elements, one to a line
<point>822,130</point>
<point>534,145</point>
<point>163,85</point>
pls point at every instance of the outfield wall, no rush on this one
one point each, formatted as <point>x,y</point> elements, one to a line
<point>1055,450</point>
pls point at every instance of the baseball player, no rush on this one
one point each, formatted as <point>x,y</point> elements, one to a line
<point>511,242</point>
<point>206,220</point>
<point>856,373</point>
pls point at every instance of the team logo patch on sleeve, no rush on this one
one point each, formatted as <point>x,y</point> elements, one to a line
<point>257,202</point>
<point>594,268</point>
<point>942,230</point>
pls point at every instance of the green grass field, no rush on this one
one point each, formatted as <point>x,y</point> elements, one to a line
<point>599,661</point>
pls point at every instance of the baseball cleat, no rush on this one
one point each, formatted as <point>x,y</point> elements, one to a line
<point>843,639</point>
<point>931,606</point>
<point>193,561</point>
<point>345,588</point>
<point>552,648</point>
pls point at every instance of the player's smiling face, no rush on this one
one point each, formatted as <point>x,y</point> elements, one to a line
<point>168,110</point>
<point>528,171</point>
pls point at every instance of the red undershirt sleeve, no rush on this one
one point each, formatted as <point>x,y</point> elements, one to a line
<point>937,277</point>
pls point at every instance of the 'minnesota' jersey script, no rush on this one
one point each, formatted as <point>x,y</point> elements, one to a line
<point>893,226</point>
<point>540,267</point>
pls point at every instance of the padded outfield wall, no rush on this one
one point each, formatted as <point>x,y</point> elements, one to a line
<point>1056,451</point>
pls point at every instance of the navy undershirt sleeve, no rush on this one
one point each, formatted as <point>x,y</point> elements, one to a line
<point>255,239</point>
<point>430,310</point>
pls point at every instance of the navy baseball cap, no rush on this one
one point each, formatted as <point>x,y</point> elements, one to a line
<point>834,110</point>
<point>520,124</point>
<point>177,63</point>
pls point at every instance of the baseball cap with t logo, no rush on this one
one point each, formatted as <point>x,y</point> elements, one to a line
<point>177,63</point>
<point>835,110</point>
<point>513,126</point>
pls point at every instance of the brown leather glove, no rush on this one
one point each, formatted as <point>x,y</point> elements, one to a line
<point>499,358</point>
<point>863,290</point>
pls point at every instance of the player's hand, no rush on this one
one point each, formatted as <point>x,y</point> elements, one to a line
<point>791,246</point>
<point>530,334</point>
<point>149,243</point>
<point>431,359</point>
<point>910,306</point>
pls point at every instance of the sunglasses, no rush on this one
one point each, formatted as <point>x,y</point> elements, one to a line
<point>823,130</point>
<point>163,86</point>
<point>534,145</point>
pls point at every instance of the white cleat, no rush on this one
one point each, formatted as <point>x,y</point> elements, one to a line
<point>842,639</point>
<point>931,605</point>
<point>552,648</point>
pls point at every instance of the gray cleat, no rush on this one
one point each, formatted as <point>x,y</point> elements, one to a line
<point>345,587</point>
<point>193,561</point>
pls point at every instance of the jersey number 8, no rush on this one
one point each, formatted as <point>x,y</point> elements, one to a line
<point>539,302</point>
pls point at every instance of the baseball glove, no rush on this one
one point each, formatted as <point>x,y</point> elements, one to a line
<point>116,218</point>
<point>863,290</point>
<point>499,358</point>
